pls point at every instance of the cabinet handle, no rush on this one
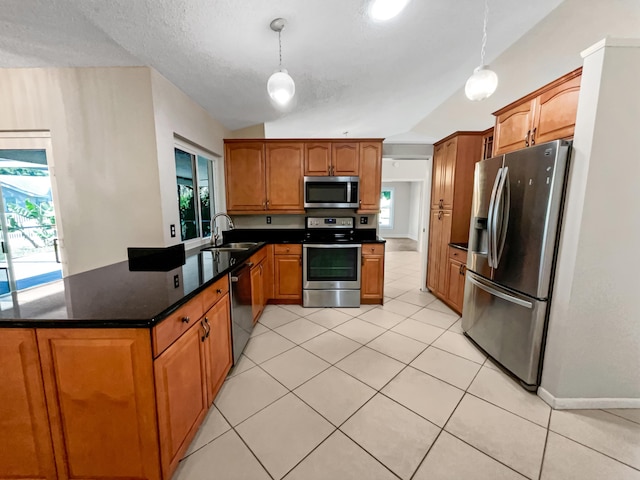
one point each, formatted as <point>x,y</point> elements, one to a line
<point>362,261</point>
<point>440,204</point>
<point>186,319</point>
<point>264,205</point>
<point>267,204</point>
<point>526,138</point>
<point>533,136</point>
<point>206,321</point>
<point>204,334</point>
<point>440,215</point>
<point>218,291</point>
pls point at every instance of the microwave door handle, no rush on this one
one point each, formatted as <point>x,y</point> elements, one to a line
<point>490,219</point>
<point>348,199</point>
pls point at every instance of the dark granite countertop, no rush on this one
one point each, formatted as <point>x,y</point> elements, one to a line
<point>134,294</point>
<point>115,296</point>
<point>460,246</point>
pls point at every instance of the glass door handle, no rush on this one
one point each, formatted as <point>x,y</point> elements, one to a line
<point>4,250</point>
<point>55,249</point>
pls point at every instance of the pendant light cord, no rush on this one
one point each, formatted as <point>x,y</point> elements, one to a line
<point>280,47</point>
<point>484,31</point>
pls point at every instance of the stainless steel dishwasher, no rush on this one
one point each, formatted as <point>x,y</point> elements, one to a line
<point>241,312</point>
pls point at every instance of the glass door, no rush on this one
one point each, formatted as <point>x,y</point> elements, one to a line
<point>29,254</point>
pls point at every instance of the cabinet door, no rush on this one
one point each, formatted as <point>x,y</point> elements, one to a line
<point>102,409</point>
<point>317,159</point>
<point>244,175</point>
<point>448,173</point>
<point>436,179</point>
<point>435,234</point>
<point>285,171</point>
<point>455,284</point>
<point>288,277</point>
<point>372,278</point>
<point>267,275</point>
<point>443,252</point>
<point>370,176</point>
<point>556,109</point>
<point>257,292</point>
<point>513,128</point>
<point>180,376</point>
<point>345,159</point>
<point>25,439</point>
<point>218,346</point>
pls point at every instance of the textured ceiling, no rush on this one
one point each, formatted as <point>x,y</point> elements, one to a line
<point>352,75</point>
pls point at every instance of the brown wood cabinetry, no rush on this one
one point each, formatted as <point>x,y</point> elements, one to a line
<point>372,273</point>
<point>99,386</point>
<point>287,272</point>
<point>284,176</point>
<point>257,291</point>
<point>456,277</point>
<point>452,188</point>
<point>487,144</point>
<point>25,444</point>
<point>317,159</point>
<point>245,177</point>
<point>370,176</point>
<point>181,390</point>
<point>345,159</point>
<point>218,352</point>
<point>547,114</point>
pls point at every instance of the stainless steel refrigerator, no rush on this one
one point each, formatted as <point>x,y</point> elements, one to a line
<point>517,206</point>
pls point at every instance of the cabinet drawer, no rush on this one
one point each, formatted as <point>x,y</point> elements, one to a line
<point>287,249</point>
<point>457,254</point>
<point>373,249</point>
<point>172,327</point>
<point>259,256</point>
<point>215,292</point>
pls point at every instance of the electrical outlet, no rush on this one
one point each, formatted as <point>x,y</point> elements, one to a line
<point>176,281</point>
<point>173,230</point>
<point>268,220</point>
<point>364,220</point>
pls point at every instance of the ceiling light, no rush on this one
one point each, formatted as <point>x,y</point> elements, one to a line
<point>483,82</point>
<point>280,85</point>
<point>382,10</point>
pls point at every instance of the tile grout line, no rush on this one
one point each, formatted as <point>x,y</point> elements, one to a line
<point>544,453</point>
<point>619,416</point>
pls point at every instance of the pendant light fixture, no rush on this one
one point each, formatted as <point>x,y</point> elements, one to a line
<point>483,82</point>
<point>280,85</point>
<point>382,10</point>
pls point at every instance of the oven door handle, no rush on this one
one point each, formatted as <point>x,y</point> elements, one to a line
<point>333,245</point>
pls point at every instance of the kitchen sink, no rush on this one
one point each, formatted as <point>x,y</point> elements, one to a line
<point>243,245</point>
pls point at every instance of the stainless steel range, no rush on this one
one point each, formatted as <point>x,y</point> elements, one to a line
<point>330,263</point>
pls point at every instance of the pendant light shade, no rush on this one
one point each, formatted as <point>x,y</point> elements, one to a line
<point>280,86</point>
<point>481,84</point>
<point>381,10</point>
<point>484,81</point>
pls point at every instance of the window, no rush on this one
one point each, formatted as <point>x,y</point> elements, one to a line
<point>196,199</point>
<point>385,219</point>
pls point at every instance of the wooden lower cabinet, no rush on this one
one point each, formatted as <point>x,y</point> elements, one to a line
<point>439,238</point>
<point>26,450</point>
<point>218,352</point>
<point>287,272</point>
<point>100,398</point>
<point>372,274</point>
<point>455,282</point>
<point>180,378</point>
<point>257,291</point>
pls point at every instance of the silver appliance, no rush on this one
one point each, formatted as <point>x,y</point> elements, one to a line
<point>330,263</point>
<point>241,310</point>
<point>515,223</point>
<point>331,192</point>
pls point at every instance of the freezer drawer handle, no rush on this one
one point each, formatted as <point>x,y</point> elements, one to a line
<point>499,294</point>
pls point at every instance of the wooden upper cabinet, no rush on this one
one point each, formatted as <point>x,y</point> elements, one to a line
<point>218,352</point>
<point>244,176</point>
<point>547,114</point>
<point>285,169</point>
<point>180,380</point>
<point>370,176</point>
<point>317,159</point>
<point>448,173</point>
<point>513,128</point>
<point>25,444</point>
<point>99,386</point>
<point>555,113</point>
<point>345,159</point>
<point>487,144</point>
<point>436,178</point>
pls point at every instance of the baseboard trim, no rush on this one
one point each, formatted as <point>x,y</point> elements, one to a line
<point>586,403</point>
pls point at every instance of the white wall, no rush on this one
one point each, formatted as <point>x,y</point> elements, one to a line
<point>415,210</point>
<point>177,115</point>
<point>401,207</point>
<point>105,175</point>
<point>592,357</point>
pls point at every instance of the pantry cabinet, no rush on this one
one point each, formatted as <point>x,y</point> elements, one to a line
<point>370,176</point>
<point>372,273</point>
<point>547,114</point>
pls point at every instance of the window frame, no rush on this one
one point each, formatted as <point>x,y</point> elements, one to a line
<point>391,190</point>
<point>212,171</point>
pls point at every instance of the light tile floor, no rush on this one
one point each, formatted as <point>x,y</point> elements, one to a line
<point>394,392</point>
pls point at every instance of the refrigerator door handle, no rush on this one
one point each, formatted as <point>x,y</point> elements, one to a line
<point>490,219</point>
<point>502,195</point>
<point>499,293</point>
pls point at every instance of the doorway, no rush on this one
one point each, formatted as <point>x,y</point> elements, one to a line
<point>29,253</point>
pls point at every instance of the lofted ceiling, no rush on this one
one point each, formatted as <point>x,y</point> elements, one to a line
<point>352,75</point>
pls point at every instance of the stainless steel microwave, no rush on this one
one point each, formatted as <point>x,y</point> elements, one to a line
<point>331,192</point>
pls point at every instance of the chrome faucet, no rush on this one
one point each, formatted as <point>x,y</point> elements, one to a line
<point>215,234</point>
